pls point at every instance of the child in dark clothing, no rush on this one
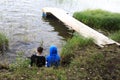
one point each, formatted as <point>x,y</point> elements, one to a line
<point>38,59</point>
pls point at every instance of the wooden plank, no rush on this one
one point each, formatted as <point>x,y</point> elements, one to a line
<point>79,27</point>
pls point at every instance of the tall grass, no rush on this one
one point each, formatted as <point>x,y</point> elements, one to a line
<point>20,62</point>
<point>3,42</point>
<point>99,19</point>
<point>115,36</point>
<point>72,44</point>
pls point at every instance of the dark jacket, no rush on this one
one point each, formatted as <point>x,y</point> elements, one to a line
<point>53,58</point>
<point>39,61</point>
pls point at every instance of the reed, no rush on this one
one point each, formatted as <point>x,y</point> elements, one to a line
<point>4,43</point>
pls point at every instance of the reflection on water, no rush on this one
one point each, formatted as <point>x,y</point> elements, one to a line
<point>59,27</point>
<point>22,22</point>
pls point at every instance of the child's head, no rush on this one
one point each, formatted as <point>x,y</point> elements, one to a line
<point>39,49</point>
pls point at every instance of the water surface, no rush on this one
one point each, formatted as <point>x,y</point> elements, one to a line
<point>22,22</point>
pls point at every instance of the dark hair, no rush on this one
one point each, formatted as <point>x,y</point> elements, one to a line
<point>40,49</point>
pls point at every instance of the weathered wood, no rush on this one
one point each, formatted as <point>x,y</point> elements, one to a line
<point>78,26</point>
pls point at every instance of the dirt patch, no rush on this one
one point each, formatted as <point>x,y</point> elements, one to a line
<point>92,62</point>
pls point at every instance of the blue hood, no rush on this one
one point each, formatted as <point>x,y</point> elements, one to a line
<point>53,50</point>
<point>53,58</point>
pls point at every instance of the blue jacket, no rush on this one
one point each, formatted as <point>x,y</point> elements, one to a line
<point>53,58</point>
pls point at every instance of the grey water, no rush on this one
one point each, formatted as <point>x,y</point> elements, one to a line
<point>21,21</point>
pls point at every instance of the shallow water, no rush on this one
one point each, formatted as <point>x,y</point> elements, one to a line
<point>22,22</point>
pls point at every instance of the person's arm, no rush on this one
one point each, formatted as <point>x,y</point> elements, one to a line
<point>44,61</point>
<point>32,60</point>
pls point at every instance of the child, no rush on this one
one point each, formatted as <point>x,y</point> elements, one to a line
<point>53,58</point>
<point>38,59</point>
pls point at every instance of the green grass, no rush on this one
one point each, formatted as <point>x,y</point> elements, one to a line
<point>32,73</point>
<point>99,19</point>
<point>115,36</point>
<point>72,44</point>
<point>3,42</point>
<point>20,70</point>
<point>88,62</point>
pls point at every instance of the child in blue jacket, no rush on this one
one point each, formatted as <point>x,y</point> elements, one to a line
<point>53,59</point>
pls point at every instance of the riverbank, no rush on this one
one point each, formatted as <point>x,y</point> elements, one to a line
<point>87,62</point>
<point>80,59</point>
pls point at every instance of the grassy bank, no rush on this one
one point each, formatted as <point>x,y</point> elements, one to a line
<point>99,19</point>
<point>72,45</point>
<point>81,60</point>
<point>3,43</point>
<point>115,36</point>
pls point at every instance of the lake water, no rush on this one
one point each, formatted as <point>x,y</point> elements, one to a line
<point>22,22</point>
